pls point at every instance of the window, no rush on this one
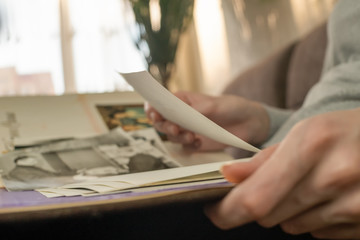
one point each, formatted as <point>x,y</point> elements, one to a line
<point>64,46</point>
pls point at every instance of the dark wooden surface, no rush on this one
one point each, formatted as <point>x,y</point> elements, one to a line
<point>179,216</point>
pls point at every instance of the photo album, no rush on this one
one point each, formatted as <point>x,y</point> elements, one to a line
<point>93,144</point>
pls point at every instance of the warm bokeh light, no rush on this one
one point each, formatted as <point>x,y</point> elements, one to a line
<point>214,51</point>
<point>307,12</point>
<point>155,15</point>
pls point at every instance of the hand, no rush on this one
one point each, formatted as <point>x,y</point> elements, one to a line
<point>246,119</point>
<point>310,182</point>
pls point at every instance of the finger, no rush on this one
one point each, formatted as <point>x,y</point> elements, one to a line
<point>153,115</point>
<point>341,231</point>
<point>307,222</point>
<point>184,137</point>
<point>328,180</point>
<point>192,142</point>
<point>167,128</point>
<point>298,200</point>
<point>256,196</point>
<point>237,172</point>
<point>343,210</point>
<point>204,144</point>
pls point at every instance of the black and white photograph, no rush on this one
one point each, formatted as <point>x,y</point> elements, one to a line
<point>77,160</point>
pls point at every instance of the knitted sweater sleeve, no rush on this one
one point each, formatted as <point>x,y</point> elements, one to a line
<point>339,86</point>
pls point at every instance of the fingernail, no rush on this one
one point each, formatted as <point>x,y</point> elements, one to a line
<point>173,130</point>
<point>152,116</point>
<point>224,167</point>
<point>189,137</point>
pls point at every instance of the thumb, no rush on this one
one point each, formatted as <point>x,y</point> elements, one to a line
<point>237,172</point>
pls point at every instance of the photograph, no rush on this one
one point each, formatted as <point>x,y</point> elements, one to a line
<point>82,159</point>
<point>129,117</point>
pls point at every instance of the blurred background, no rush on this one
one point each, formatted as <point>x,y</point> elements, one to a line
<point>54,47</point>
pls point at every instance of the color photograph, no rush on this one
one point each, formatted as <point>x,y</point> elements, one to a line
<point>129,117</point>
